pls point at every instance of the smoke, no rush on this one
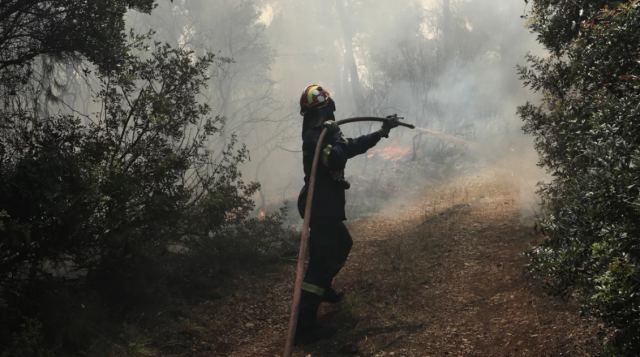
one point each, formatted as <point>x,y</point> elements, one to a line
<point>448,66</point>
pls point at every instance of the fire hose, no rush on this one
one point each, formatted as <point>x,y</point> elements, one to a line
<point>302,254</point>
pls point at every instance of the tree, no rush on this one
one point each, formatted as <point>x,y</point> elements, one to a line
<point>107,207</point>
<point>62,29</point>
<point>240,85</point>
<point>587,131</point>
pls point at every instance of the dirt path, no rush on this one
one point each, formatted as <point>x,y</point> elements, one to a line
<point>448,278</point>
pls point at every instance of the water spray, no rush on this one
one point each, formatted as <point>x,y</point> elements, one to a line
<point>444,136</point>
<point>302,254</point>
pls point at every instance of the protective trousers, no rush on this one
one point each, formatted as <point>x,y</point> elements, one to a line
<point>329,246</point>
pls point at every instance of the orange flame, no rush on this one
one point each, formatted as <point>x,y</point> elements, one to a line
<point>391,153</point>
<point>262,214</point>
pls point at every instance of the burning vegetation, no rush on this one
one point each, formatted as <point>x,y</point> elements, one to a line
<point>390,153</point>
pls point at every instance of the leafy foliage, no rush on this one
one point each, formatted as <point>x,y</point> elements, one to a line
<point>587,132</point>
<point>93,29</point>
<point>104,212</point>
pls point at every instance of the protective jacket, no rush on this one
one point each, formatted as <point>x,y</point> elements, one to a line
<point>329,193</point>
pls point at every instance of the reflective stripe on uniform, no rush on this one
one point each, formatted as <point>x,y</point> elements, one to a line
<point>326,152</point>
<point>314,289</point>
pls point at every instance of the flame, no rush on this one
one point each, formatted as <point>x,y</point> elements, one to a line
<point>262,213</point>
<point>390,153</point>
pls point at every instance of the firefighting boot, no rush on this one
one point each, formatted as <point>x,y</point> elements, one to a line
<point>332,297</point>
<point>308,330</point>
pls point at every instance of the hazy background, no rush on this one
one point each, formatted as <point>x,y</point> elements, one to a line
<point>446,65</point>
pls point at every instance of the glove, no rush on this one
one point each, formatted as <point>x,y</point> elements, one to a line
<point>331,126</point>
<point>391,122</point>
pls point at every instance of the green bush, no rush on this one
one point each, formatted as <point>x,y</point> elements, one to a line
<point>106,213</point>
<point>587,131</point>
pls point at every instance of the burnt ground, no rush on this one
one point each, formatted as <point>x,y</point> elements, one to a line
<point>446,278</point>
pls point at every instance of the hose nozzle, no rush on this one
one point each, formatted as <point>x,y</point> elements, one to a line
<point>396,120</point>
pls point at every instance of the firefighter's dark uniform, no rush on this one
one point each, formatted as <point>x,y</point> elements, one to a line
<point>330,241</point>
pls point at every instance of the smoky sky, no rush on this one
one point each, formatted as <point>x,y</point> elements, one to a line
<point>445,65</point>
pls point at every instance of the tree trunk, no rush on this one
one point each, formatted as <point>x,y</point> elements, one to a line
<point>350,67</point>
<point>447,35</point>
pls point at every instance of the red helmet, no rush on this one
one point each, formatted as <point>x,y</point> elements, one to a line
<point>314,97</point>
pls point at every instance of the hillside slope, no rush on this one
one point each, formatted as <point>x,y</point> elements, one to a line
<point>443,275</point>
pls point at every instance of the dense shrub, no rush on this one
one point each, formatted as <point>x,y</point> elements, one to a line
<point>118,209</point>
<point>587,131</point>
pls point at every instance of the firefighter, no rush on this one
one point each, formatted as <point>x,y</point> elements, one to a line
<point>329,241</point>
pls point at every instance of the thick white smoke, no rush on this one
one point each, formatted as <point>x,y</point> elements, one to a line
<point>446,65</point>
